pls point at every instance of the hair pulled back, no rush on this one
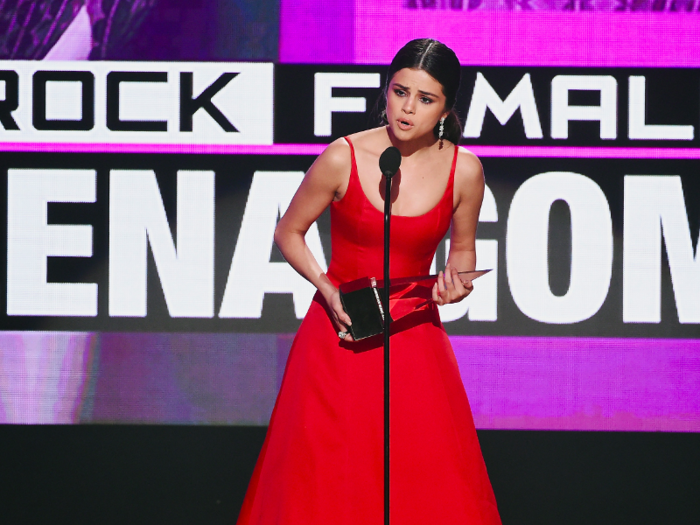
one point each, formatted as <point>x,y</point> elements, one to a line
<point>441,63</point>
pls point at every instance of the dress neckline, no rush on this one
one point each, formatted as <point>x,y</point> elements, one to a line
<point>449,189</point>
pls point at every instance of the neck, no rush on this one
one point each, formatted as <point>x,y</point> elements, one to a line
<point>409,148</point>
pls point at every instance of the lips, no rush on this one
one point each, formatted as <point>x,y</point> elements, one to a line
<point>404,124</point>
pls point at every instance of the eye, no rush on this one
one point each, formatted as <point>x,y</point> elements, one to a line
<point>426,100</point>
<point>399,92</point>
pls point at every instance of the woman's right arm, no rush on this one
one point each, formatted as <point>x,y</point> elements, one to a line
<point>324,181</point>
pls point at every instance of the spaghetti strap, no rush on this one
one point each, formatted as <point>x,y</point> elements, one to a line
<point>353,168</point>
<point>353,194</point>
<point>449,191</point>
<point>454,163</point>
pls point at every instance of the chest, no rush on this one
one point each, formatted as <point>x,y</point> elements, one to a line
<point>416,189</point>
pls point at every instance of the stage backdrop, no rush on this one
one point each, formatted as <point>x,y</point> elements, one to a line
<point>141,188</point>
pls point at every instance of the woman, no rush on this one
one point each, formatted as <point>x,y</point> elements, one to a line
<point>322,461</point>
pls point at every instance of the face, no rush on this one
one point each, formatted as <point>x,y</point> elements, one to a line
<point>415,103</point>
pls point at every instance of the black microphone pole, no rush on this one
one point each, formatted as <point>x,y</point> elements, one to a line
<point>387,326</point>
<point>389,163</point>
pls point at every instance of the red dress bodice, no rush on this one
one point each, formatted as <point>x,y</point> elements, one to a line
<point>357,233</point>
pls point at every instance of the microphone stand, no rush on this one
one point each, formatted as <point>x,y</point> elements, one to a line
<point>389,163</point>
<point>387,324</point>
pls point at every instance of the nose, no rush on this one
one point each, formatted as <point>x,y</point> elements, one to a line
<point>408,106</point>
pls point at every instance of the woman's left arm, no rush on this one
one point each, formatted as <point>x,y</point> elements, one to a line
<point>469,192</point>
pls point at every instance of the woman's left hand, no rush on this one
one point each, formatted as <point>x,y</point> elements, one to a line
<point>449,288</point>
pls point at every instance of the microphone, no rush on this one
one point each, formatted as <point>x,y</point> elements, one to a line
<point>390,161</point>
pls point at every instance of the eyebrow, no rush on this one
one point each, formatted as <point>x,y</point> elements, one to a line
<point>406,88</point>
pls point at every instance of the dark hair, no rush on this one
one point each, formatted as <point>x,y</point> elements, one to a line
<point>441,63</point>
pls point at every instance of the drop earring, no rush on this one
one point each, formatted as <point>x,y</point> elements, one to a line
<point>441,132</point>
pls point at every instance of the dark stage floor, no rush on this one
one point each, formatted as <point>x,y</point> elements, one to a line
<point>197,475</point>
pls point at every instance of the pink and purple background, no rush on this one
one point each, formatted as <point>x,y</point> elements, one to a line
<point>370,32</point>
<point>513,382</point>
<point>185,378</point>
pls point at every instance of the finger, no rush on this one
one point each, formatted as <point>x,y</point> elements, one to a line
<point>338,324</point>
<point>449,280</point>
<point>456,281</point>
<point>436,297</point>
<point>441,283</point>
<point>340,313</point>
<point>468,286</point>
<point>347,336</point>
<point>344,318</point>
<point>339,327</point>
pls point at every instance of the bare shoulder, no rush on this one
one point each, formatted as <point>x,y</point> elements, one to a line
<point>371,141</point>
<point>469,170</point>
<point>332,167</point>
<point>469,179</point>
<point>336,156</point>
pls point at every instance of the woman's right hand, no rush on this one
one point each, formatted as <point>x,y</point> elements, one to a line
<point>339,316</point>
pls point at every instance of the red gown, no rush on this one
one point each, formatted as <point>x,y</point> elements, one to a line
<point>323,459</point>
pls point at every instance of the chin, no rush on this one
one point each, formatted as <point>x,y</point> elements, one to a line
<point>403,135</point>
